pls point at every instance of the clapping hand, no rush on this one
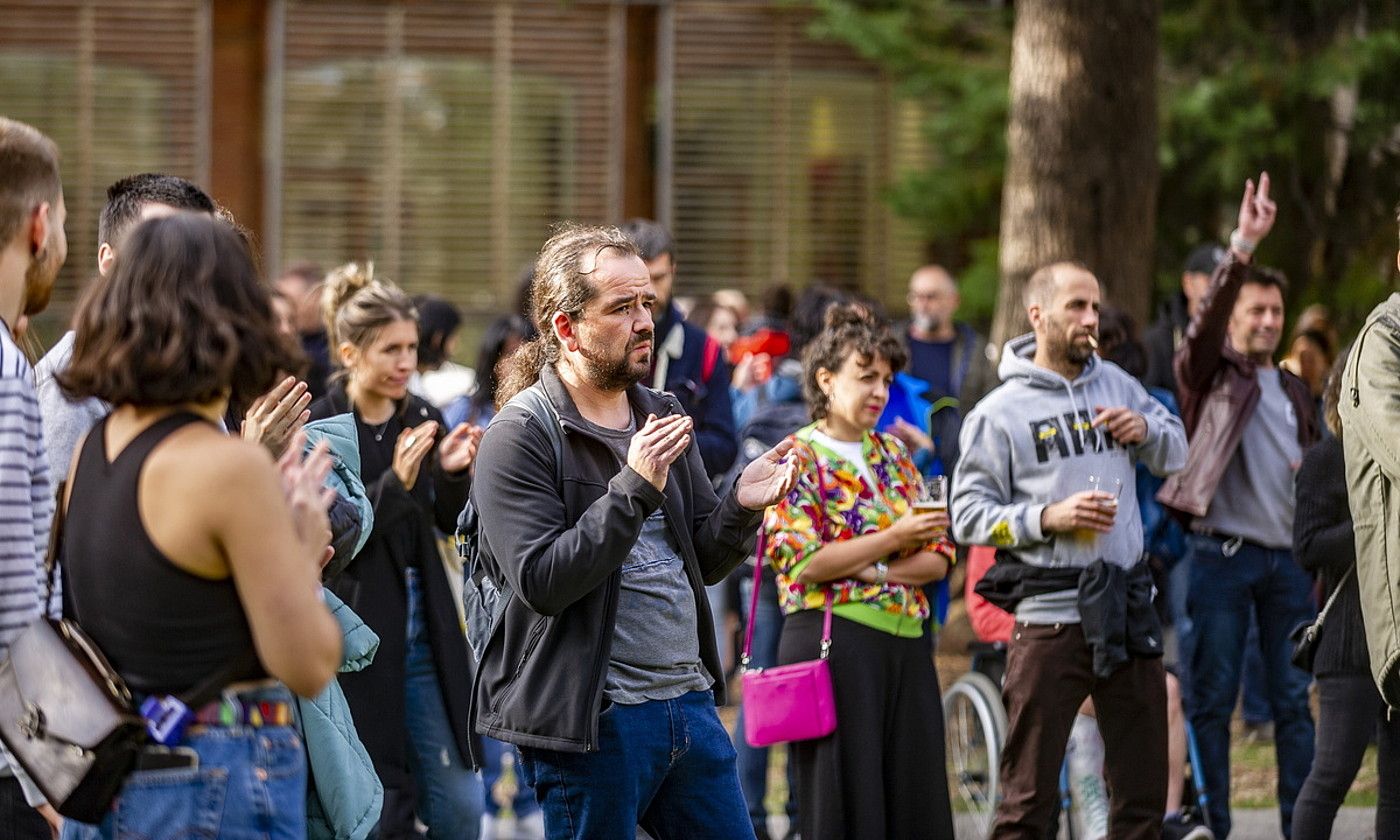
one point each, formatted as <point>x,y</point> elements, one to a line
<point>768,478</point>
<point>912,436</point>
<point>277,415</point>
<point>409,450</point>
<point>657,445</point>
<point>308,497</point>
<point>458,450</point>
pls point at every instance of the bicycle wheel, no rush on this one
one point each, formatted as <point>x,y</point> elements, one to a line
<point>975,728</point>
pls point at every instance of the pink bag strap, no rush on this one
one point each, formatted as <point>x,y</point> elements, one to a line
<point>758,581</point>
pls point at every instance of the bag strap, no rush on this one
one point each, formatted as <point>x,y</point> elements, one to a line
<point>208,688</point>
<point>758,580</point>
<point>60,516</point>
<point>1331,599</point>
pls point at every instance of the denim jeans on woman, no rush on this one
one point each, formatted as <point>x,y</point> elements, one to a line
<point>1222,592</point>
<point>664,765</point>
<point>250,785</point>
<point>450,795</point>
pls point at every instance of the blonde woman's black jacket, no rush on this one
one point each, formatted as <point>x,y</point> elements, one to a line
<point>560,551</point>
<point>406,525</point>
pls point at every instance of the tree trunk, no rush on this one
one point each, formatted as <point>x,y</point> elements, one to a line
<point>1081,171</point>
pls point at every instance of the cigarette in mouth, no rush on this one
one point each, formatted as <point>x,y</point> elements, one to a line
<point>1093,342</point>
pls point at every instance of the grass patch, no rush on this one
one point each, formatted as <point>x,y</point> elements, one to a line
<point>1254,776</point>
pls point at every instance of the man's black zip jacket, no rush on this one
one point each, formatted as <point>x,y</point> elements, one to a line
<point>561,550</point>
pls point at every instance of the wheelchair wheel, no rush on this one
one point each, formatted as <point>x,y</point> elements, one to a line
<point>975,728</point>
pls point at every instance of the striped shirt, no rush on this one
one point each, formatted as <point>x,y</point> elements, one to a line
<point>26,501</point>
<point>26,510</point>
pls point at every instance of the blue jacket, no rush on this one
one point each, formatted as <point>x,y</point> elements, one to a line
<point>344,797</point>
<point>679,357</point>
<point>353,502</point>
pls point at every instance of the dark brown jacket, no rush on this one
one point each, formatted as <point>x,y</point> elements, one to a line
<point>1218,392</point>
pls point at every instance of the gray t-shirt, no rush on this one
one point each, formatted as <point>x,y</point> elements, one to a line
<point>656,640</point>
<point>1255,499</point>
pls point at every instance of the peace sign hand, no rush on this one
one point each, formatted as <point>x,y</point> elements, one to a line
<point>1257,210</point>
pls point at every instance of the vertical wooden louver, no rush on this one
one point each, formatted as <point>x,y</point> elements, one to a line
<point>782,147</point>
<point>122,87</point>
<point>442,139</point>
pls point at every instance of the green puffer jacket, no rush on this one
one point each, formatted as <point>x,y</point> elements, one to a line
<point>1370,411</point>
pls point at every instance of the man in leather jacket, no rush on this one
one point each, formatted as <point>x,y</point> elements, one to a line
<point>1248,423</point>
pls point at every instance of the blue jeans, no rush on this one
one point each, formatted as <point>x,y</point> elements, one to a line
<point>450,795</point>
<point>666,765</point>
<point>495,752</point>
<point>250,784</point>
<point>1222,591</point>
<point>1254,689</point>
<point>753,761</point>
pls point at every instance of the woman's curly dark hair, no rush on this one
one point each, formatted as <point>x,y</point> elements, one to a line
<point>851,328</point>
<point>184,318</point>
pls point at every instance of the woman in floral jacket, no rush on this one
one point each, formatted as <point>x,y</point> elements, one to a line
<point>847,535</point>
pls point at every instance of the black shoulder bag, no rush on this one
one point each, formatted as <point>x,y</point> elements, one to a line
<point>1305,635</point>
<point>66,715</point>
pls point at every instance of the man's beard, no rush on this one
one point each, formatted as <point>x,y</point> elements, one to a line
<point>927,323</point>
<point>1061,346</point>
<point>617,374</point>
<point>39,278</point>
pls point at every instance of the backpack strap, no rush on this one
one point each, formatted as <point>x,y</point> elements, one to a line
<point>709,360</point>
<point>535,401</point>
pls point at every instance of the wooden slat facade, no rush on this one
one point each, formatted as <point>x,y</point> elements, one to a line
<point>122,87</point>
<point>442,139</point>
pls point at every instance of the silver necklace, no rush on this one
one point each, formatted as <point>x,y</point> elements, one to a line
<point>381,429</point>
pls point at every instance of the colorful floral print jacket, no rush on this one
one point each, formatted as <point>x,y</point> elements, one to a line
<point>840,504</point>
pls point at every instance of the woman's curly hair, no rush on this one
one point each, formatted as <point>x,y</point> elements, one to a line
<point>851,328</point>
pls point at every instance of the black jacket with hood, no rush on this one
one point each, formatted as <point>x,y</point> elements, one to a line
<point>560,549</point>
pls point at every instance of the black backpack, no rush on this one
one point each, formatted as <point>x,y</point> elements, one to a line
<point>484,599</point>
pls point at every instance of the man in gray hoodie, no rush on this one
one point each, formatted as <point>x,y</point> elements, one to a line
<point>1048,459</point>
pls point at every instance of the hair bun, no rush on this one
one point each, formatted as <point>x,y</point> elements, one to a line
<point>848,315</point>
<point>342,283</point>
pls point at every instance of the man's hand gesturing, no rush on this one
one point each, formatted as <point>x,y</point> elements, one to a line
<point>1257,214</point>
<point>768,478</point>
<point>657,445</point>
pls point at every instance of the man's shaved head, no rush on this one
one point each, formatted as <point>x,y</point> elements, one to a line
<point>1040,288</point>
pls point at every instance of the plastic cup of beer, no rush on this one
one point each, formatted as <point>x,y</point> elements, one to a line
<point>1102,484</point>
<point>933,496</point>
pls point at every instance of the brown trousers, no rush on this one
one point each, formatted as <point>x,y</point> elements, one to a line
<point>1049,672</point>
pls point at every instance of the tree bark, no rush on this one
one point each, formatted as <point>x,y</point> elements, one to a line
<point>1081,172</point>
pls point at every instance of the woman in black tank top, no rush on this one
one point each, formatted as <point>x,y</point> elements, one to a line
<point>192,565</point>
<point>410,704</point>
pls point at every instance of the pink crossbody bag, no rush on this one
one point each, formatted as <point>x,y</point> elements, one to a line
<point>789,702</point>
